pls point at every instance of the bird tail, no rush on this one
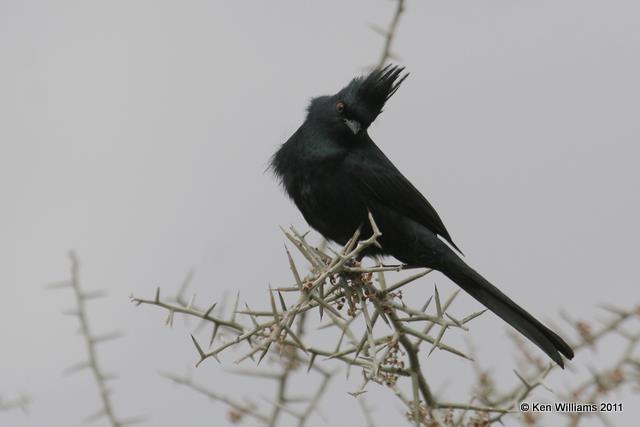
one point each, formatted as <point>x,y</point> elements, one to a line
<point>492,298</point>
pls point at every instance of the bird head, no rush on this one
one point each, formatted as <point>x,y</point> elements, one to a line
<point>357,105</point>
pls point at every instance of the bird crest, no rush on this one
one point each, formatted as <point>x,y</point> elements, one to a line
<point>375,89</point>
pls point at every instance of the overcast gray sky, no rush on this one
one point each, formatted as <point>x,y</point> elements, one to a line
<point>138,132</point>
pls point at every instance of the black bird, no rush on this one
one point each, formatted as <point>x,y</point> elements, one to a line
<point>336,174</point>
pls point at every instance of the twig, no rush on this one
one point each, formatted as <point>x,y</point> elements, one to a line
<point>390,33</point>
<point>91,341</point>
<point>20,402</point>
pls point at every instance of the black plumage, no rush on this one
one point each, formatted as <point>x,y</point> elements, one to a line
<point>336,174</point>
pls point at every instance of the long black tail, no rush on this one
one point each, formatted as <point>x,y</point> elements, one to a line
<point>492,298</point>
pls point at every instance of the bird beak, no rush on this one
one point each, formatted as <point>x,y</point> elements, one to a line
<point>353,125</point>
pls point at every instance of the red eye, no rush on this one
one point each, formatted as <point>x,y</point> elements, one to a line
<point>339,106</point>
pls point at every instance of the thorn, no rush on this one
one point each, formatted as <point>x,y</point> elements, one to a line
<point>521,378</point>
<point>253,318</point>
<point>385,318</point>
<point>95,416</point>
<point>200,352</point>
<point>195,342</point>
<point>454,320</point>
<point>169,321</point>
<point>77,367</point>
<point>378,30</point>
<point>282,303</point>
<point>296,339</point>
<point>272,300</point>
<point>294,270</point>
<point>438,305</point>
<point>193,298</point>
<point>213,335</point>
<point>106,337</point>
<point>426,304</point>
<point>58,285</point>
<point>436,343</point>
<point>93,295</point>
<point>185,283</point>
<point>473,316</point>
<point>264,353</point>
<point>321,293</point>
<point>311,360</point>
<point>235,307</point>
<point>208,312</point>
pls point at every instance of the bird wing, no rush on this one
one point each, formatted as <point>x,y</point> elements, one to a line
<point>380,180</point>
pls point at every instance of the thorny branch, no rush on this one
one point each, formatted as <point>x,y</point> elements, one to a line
<point>92,340</point>
<point>388,353</point>
<point>602,381</point>
<point>337,281</point>
<point>238,409</point>
<point>389,34</point>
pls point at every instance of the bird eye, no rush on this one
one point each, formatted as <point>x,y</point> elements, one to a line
<point>339,106</point>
